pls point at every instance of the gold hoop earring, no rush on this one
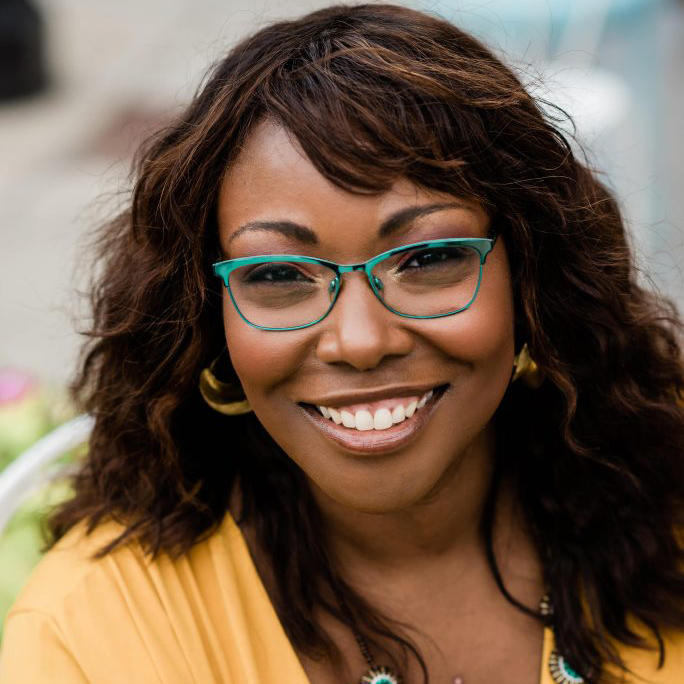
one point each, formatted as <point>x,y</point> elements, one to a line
<point>525,369</point>
<point>221,396</point>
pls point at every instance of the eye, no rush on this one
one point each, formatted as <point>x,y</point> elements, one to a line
<point>434,256</point>
<point>276,272</point>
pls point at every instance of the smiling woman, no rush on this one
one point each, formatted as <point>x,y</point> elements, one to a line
<point>365,344</point>
<point>377,395</point>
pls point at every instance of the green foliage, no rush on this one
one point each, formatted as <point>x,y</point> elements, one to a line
<point>22,541</point>
<point>22,423</point>
<point>24,419</point>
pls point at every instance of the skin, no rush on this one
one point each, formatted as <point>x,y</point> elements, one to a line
<point>403,525</point>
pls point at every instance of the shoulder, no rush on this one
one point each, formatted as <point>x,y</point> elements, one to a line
<point>69,564</point>
<point>121,617</point>
<point>643,663</point>
<point>71,570</point>
<point>203,616</point>
<point>62,614</point>
<point>643,666</point>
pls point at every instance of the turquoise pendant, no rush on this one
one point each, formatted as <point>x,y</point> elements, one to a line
<point>380,674</point>
<point>561,672</point>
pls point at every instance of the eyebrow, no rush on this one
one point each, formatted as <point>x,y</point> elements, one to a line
<point>389,226</point>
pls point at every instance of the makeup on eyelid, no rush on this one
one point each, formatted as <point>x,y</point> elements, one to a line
<point>284,245</point>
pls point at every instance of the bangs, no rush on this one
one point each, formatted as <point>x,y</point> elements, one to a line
<point>366,114</point>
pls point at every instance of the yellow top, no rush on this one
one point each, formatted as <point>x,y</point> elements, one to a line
<point>204,618</point>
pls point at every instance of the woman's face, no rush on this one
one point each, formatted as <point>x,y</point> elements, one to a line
<point>363,357</point>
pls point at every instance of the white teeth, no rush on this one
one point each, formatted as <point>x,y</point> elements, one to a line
<point>363,420</point>
<point>348,419</point>
<point>382,419</point>
<point>424,398</point>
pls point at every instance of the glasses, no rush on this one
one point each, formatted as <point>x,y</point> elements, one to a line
<point>427,279</point>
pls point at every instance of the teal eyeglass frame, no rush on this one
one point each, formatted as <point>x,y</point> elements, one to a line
<point>223,269</point>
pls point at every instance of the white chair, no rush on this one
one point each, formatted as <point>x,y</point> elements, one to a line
<point>35,467</point>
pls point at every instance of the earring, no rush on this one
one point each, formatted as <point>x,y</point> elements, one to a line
<point>525,369</point>
<point>221,396</point>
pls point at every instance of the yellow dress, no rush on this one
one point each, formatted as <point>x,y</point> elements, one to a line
<point>204,618</point>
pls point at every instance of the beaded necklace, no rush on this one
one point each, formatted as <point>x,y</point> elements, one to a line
<point>559,668</point>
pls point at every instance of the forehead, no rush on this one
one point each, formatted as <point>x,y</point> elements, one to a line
<point>272,179</point>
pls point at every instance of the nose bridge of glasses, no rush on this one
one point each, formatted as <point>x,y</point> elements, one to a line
<point>374,281</point>
<point>350,268</point>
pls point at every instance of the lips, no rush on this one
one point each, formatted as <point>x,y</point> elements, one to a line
<point>361,436</point>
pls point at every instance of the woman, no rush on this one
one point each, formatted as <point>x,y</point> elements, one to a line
<point>417,421</point>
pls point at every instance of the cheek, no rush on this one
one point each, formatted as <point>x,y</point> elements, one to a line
<point>483,336</point>
<point>262,359</point>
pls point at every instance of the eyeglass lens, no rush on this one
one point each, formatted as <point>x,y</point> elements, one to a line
<point>429,281</point>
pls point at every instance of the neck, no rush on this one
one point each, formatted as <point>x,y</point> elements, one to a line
<point>445,522</point>
<point>421,549</point>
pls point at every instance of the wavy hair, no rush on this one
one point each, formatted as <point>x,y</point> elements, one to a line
<point>373,93</point>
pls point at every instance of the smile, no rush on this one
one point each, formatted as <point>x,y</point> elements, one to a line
<point>380,415</point>
<point>376,427</point>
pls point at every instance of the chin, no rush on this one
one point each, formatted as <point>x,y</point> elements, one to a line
<point>392,486</point>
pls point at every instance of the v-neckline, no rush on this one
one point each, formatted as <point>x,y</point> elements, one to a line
<point>234,528</point>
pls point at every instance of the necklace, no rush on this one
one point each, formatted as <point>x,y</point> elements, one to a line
<point>376,674</point>
<point>560,669</point>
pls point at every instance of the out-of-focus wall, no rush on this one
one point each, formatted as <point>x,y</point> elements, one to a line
<point>118,69</point>
<point>617,66</point>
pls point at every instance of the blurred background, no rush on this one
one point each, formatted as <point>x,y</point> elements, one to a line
<point>82,83</point>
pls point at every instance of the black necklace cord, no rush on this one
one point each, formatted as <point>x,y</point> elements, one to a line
<point>487,526</point>
<point>339,589</point>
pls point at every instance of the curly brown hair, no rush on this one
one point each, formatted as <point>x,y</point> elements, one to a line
<point>373,93</point>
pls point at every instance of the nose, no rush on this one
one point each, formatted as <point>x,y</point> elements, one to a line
<point>359,330</point>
